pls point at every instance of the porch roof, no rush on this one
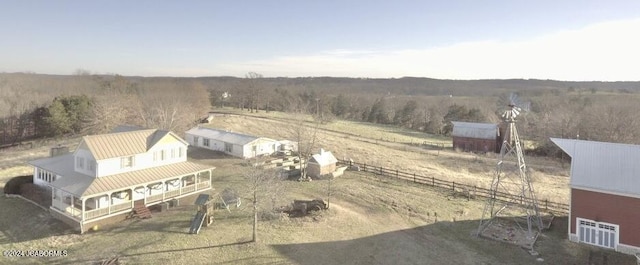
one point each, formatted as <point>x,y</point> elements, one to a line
<point>82,186</point>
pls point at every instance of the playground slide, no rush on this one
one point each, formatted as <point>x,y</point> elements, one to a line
<point>196,224</point>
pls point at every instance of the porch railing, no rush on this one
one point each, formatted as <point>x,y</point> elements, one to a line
<point>96,213</point>
<point>154,198</point>
<point>203,185</point>
<point>187,189</point>
<point>120,207</point>
<point>171,193</point>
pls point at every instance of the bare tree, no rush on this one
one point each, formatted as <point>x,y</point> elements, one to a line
<point>172,105</point>
<point>305,133</point>
<point>262,185</point>
<point>254,89</point>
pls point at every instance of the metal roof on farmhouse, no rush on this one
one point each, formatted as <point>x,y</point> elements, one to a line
<point>601,166</point>
<point>223,136</point>
<point>126,143</point>
<point>475,130</point>
<point>82,185</point>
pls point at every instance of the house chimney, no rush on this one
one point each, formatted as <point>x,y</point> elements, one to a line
<point>58,150</point>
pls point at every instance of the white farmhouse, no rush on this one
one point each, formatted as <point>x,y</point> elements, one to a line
<point>235,144</point>
<point>107,175</point>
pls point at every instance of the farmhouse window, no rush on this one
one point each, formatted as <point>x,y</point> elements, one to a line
<point>205,141</point>
<point>163,155</point>
<point>173,153</point>
<point>126,162</point>
<point>180,152</point>
<point>195,140</point>
<point>228,147</point>
<point>80,162</point>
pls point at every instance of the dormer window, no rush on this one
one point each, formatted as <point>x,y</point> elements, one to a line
<point>80,162</point>
<point>126,162</point>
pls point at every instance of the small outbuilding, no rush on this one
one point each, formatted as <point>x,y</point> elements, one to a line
<point>605,194</point>
<point>321,164</point>
<point>235,144</point>
<point>476,137</point>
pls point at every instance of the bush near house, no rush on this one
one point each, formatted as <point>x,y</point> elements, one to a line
<point>13,185</point>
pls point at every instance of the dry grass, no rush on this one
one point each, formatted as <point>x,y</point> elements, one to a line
<point>371,220</point>
<point>550,179</point>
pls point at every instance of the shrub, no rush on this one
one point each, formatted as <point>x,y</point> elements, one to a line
<point>13,185</point>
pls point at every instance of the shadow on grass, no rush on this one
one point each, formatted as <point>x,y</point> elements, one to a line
<point>182,251</point>
<point>22,221</point>
<point>448,243</point>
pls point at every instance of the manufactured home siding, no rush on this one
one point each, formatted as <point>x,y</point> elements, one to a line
<point>601,207</point>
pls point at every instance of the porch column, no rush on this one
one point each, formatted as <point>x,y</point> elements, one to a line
<point>180,187</point>
<point>83,209</point>
<point>108,203</point>
<point>53,195</point>
<point>132,194</point>
<point>164,188</point>
<point>73,207</point>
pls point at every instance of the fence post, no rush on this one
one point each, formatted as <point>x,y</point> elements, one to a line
<point>546,204</point>
<point>364,167</point>
<point>414,177</point>
<point>433,181</point>
<point>453,186</point>
<point>380,170</point>
<point>397,176</point>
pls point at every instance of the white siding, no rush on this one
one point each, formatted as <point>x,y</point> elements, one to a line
<point>138,193</point>
<point>87,159</point>
<point>112,166</point>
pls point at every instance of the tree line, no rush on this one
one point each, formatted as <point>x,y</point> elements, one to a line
<point>33,105</point>
<point>90,104</point>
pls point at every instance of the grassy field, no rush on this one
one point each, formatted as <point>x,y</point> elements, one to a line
<point>371,219</point>
<point>361,142</point>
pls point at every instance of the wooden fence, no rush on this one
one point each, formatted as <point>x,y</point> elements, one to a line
<point>458,188</point>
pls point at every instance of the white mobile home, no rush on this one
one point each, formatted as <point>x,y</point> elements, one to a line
<point>235,144</point>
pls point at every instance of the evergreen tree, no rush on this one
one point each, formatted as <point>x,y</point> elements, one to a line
<point>57,119</point>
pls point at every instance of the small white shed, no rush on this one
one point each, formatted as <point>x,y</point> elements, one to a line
<point>321,164</point>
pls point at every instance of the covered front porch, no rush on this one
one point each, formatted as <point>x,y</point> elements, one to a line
<point>88,208</point>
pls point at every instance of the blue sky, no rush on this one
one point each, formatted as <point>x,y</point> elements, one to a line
<point>564,40</point>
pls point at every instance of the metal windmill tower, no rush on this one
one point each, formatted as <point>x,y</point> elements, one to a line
<point>511,180</point>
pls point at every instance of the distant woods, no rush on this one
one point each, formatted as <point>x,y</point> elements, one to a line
<point>34,105</point>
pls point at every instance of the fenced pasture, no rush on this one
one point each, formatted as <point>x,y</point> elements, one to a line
<point>459,189</point>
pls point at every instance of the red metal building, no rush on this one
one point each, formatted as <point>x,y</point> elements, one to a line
<point>605,194</point>
<point>476,137</point>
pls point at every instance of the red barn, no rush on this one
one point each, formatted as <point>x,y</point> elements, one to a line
<point>476,137</point>
<point>605,194</point>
